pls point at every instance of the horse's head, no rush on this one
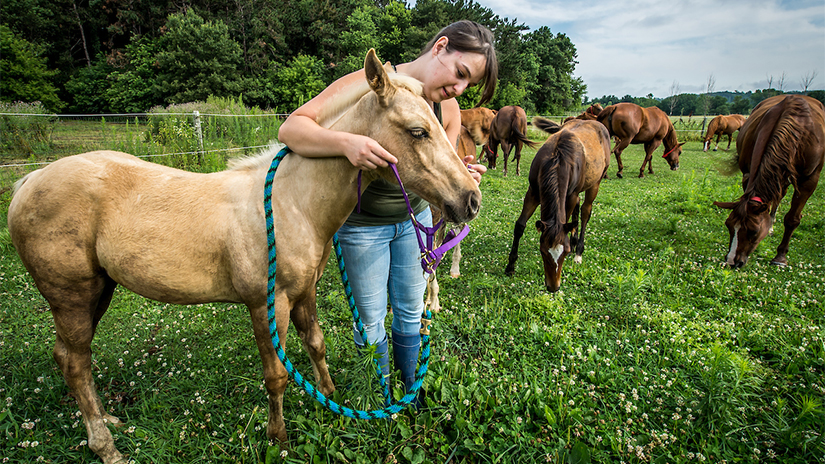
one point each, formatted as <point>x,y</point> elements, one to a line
<point>672,156</point>
<point>748,223</point>
<point>554,245</point>
<point>396,115</point>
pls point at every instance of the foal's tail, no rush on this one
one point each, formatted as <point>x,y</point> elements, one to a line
<point>516,131</point>
<point>20,183</point>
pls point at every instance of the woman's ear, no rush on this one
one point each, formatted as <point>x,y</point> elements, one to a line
<point>440,44</point>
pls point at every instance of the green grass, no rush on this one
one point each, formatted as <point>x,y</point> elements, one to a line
<point>651,352</point>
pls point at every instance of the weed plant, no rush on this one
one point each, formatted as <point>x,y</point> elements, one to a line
<point>652,351</point>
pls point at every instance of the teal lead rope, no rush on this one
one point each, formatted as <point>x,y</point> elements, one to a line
<point>273,329</point>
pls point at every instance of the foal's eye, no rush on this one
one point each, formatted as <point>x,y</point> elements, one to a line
<point>418,133</point>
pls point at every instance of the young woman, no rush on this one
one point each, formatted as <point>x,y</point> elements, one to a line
<point>379,245</point>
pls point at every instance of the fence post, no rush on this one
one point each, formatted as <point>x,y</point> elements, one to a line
<point>196,115</point>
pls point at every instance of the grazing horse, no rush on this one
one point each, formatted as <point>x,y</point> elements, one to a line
<point>723,125</point>
<point>571,161</point>
<point>782,143</point>
<point>477,121</point>
<point>590,114</point>
<point>508,129</point>
<point>86,223</point>
<point>630,123</point>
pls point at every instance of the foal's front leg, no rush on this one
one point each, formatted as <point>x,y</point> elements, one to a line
<point>275,375</point>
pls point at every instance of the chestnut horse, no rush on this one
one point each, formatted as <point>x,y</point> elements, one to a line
<point>571,161</point>
<point>508,129</point>
<point>630,123</point>
<point>477,121</point>
<point>723,125</point>
<point>782,143</point>
<point>590,114</point>
<point>86,223</point>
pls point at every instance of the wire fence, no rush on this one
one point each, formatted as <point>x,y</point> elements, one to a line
<point>186,140</point>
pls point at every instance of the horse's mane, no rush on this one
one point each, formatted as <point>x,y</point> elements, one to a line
<point>338,106</point>
<point>779,160</point>
<point>562,148</point>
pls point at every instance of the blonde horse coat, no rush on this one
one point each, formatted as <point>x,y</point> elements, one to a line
<point>90,222</point>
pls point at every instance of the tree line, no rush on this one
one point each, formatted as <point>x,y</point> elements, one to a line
<point>88,56</point>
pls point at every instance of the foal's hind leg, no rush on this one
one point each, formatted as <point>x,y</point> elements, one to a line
<point>76,316</point>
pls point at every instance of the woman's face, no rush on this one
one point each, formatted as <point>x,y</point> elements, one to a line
<point>452,72</point>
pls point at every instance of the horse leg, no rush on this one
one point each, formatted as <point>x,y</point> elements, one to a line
<point>530,204</point>
<point>305,318</point>
<point>586,211</point>
<point>650,147</point>
<point>432,300</point>
<point>517,157</point>
<point>76,316</point>
<point>621,144</point>
<point>792,219</point>
<point>718,137</point>
<point>275,375</point>
<point>455,271</point>
<point>506,148</point>
<point>730,139</point>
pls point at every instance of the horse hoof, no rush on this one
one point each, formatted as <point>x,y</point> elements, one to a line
<point>779,264</point>
<point>455,276</point>
<point>577,259</point>
<point>619,175</point>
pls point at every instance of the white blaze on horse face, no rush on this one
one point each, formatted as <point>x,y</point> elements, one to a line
<point>733,244</point>
<point>556,252</point>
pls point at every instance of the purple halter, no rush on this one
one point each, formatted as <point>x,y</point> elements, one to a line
<point>430,259</point>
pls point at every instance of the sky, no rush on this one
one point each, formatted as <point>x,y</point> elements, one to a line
<point>638,47</point>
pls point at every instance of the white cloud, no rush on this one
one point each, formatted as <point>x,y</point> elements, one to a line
<point>640,47</point>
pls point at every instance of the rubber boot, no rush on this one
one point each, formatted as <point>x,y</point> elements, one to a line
<point>405,357</point>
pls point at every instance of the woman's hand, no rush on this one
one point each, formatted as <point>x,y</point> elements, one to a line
<point>365,153</point>
<point>476,170</point>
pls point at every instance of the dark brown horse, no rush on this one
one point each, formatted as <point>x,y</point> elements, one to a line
<point>590,114</point>
<point>782,143</point>
<point>571,161</point>
<point>630,123</point>
<point>508,129</point>
<point>723,125</point>
<point>477,122</point>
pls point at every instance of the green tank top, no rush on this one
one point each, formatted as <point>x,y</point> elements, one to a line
<point>382,203</point>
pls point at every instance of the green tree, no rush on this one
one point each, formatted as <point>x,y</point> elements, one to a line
<point>554,88</point>
<point>740,105</point>
<point>88,86</point>
<point>25,76</point>
<point>196,59</point>
<point>131,85</point>
<point>298,82</point>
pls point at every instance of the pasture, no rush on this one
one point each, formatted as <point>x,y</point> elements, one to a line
<point>650,352</point>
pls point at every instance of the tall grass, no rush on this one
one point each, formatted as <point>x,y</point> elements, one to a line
<point>651,352</point>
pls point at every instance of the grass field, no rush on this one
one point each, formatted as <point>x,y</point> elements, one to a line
<point>651,352</point>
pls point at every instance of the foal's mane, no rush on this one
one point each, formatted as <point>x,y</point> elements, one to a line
<point>329,114</point>
<point>562,149</point>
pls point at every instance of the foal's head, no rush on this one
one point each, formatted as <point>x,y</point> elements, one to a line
<point>748,223</point>
<point>396,115</point>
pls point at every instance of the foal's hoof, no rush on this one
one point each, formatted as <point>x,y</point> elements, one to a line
<point>619,175</point>
<point>779,263</point>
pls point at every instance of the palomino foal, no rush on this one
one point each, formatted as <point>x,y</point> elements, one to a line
<point>90,222</point>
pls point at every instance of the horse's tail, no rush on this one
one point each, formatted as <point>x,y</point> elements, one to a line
<point>514,127</point>
<point>20,182</point>
<point>606,117</point>
<point>546,125</point>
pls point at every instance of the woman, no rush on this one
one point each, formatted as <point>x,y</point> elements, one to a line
<point>378,243</point>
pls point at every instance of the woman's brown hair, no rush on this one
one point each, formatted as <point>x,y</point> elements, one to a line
<point>470,37</point>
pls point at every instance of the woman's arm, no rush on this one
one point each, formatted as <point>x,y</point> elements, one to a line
<point>302,134</point>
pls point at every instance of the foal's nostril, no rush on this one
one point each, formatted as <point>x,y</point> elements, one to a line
<point>473,204</point>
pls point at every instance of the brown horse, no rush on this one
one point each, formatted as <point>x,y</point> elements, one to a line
<point>508,129</point>
<point>630,123</point>
<point>571,161</point>
<point>477,121</point>
<point>723,125</point>
<point>86,223</point>
<point>590,114</point>
<point>782,143</point>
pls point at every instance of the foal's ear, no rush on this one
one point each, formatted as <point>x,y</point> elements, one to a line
<point>725,204</point>
<point>377,77</point>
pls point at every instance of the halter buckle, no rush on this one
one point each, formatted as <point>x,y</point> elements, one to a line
<point>425,326</point>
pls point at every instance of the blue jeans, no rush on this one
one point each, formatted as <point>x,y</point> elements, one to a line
<point>382,261</point>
